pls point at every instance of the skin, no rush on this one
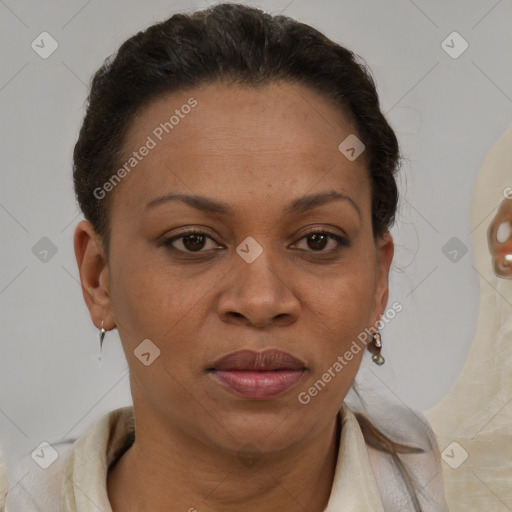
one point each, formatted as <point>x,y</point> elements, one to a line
<point>255,149</point>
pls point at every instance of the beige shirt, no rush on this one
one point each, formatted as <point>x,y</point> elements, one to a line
<point>79,483</point>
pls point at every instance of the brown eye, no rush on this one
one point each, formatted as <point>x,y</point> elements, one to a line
<point>191,241</point>
<point>318,241</point>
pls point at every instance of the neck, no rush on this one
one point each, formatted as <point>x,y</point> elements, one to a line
<point>206,479</point>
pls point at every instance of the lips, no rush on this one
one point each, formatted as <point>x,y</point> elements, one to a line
<point>267,360</point>
<point>258,375</point>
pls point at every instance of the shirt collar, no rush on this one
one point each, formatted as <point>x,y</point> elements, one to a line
<point>85,470</point>
<point>354,487</point>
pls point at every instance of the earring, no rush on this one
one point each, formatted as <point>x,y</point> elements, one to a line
<point>375,348</point>
<point>102,337</point>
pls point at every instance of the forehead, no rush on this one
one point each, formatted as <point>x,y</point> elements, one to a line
<point>278,114</point>
<point>230,141</point>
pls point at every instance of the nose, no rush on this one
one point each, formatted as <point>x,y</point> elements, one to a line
<point>259,295</point>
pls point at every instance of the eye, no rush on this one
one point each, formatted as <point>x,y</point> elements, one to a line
<point>189,241</point>
<point>318,240</point>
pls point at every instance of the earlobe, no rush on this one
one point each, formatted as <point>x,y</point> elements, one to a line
<point>94,275</point>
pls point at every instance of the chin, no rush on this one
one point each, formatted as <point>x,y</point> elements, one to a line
<point>259,430</point>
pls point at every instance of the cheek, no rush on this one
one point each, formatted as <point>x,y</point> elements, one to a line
<point>345,297</point>
<point>152,300</point>
<point>340,308</point>
<point>173,306</point>
<point>340,311</point>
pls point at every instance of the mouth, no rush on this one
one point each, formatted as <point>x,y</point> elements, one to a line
<point>258,375</point>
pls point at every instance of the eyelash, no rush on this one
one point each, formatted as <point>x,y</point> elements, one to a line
<point>341,241</point>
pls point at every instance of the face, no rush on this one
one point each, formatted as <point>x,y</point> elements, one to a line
<point>273,249</point>
<point>499,238</point>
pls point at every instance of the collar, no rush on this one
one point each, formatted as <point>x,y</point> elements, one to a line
<point>86,466</point>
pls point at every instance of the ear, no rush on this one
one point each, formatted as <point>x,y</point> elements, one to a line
<point>94,274</point>
<point>384,256</point>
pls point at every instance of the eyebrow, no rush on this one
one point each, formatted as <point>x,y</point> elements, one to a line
<point>300,205</point>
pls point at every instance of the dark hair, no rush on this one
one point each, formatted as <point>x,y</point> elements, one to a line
<point>235,44</point>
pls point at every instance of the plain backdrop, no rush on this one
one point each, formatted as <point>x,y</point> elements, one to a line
<point>447,113</point>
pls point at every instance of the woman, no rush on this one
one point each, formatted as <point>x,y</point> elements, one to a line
<point>237,179</point>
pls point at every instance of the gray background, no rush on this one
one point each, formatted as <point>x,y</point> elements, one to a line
<point>447,114</point>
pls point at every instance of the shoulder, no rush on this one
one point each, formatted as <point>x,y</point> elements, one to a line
<point>398,475</point>
<point>35,482</point>
<point>47,478</point>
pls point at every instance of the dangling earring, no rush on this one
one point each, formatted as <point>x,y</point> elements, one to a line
<point>102,336</point>
<point>375,347</point>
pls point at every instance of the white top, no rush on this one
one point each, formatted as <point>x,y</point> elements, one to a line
<point>77,482</point>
